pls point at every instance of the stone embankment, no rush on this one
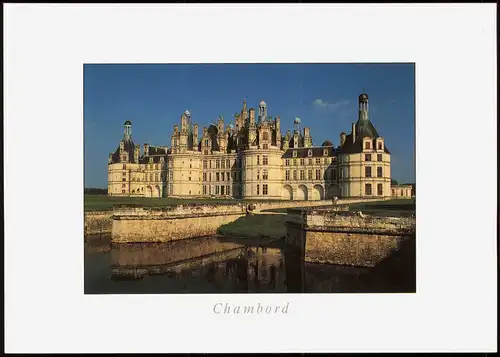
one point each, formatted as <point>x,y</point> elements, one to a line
<point>344,237</point>
<point>100,223</point>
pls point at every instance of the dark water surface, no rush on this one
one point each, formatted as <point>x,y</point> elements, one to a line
<point>222,265</point>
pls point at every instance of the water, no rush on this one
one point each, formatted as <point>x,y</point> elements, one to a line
<point>221,265</point>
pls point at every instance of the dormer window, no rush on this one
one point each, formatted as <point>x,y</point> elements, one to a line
<point>367,145</point>
<point>325,152</point>
<point>380,145</point>
<point>295,153</point>
<point>310,153</point>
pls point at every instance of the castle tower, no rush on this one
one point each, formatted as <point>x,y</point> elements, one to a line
<point>363,106</point>
<point>296,125</point>
<point>127,130</point>
<point>262,111</point>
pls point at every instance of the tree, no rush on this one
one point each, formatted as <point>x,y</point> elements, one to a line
<point>394,182</point>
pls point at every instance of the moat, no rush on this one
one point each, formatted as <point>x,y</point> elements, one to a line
<point>233,265</point>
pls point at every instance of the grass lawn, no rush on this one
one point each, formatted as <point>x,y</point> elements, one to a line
<point>389,208</point>
<point>105,203</point>
<point>271,225</point>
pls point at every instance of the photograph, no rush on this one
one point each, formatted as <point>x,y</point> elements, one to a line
<point>249,178</point>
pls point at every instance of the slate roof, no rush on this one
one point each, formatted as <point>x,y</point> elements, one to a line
<point>364,128</point>
<point>304,152</point>
<point>128,146</point>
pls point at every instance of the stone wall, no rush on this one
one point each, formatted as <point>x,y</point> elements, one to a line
<point>98,223</point>
<point>345,238</point>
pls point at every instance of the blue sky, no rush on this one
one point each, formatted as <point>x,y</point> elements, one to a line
<point>324,96</point>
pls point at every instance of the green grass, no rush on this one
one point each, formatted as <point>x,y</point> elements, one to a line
<point>105,203</point>
<point>389,208</point>
<point>270,225</point>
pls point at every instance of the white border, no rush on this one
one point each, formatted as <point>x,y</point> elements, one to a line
<point>454,48</point>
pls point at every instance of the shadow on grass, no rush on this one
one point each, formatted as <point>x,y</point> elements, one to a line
<point>268,226</point>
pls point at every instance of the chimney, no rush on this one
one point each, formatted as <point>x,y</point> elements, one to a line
<point>137,153</point>
<point>342,139</point>
<point>353,132</point>
<point>146,149</point>
<point>252,115</point>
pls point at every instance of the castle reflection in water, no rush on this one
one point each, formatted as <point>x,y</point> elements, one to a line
<point>220,265</point>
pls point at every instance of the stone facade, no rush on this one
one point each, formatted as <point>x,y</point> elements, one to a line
<point>402,191</point>
<point>252,159</point>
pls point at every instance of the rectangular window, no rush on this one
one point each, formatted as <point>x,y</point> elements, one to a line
<point>210,164</point>
<point>310,161</point>
<point>264,174</point>
<point>379,171</point>
<point>258,188</point>
<point>380,191</point>
<point>368,189</point>
<point>368,145</point>
<point>258,175</point>
<point>189,178</point>
<point>204,189</point>
<point>287,175</point>
<point>209,190</point>
<point>295,174</point>
<point>204,164</point>
<point>368,171</point>
<point>264,160</point>
<point>379,157</point>
<point>301,162</point>
<point>309,174</point>
<point>287,162</point>
<point>217,164</point>
<point>318,175</point>
<point>318,161</point>
<point>368,157</point>
<point>227,176</point>
<point>209,176</point>
<point>228,163</point>
<point>258,160</point>
<point>302,175</point>
<point>222,190</point>
<point>294,162</point>
<point>124,166</point>
<point>380,146</point>
<point>156,176</point>
<point>264,189</point>
<point>124,174</point>
<point>216,176</point>
<point>123,191</point>
<point>124,179</point>
<point>265,146</point>
<point>222,176</point>
<point>204,176</point>
<point>150,177</point>
<point>222,164</point>
<point>227,190</point>
<point>217,188</point>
